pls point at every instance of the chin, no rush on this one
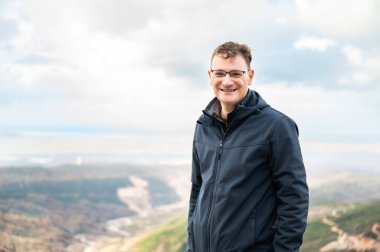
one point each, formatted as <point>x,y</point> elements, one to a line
<point>228,102</point>
<point>228,98</point>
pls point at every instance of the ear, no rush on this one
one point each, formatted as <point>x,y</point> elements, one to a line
<point>209,74</point>
<point>251,73</point>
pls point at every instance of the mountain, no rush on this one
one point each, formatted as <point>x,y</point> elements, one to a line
<point>44,209</point>
<point>169,235</point>
<point>339,219</point>
<point>345,227</point>
<point>345,187</point>
<point>130,208</point>
<point>337,227</point>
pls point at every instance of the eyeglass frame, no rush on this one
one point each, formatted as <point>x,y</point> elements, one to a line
<point>229,73</point>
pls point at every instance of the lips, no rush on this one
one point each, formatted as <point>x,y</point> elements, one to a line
<point>228,90</point>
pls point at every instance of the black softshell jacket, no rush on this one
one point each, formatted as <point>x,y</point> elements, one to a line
<point>249,190</point>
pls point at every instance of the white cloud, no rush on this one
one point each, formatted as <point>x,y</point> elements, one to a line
<point>327,115</point>
<point>147,70</point>
<point>352,18</point>
<point>141,66</point>
<point>281,20</point>
<point>353,54</point>
<point>364,67</point>
<point>116,78</point>
<point>314,43</point>
<point>110,83</point>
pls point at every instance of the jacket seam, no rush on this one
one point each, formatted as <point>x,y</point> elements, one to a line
<point>247,145</point>
<point>212,146</point>
<point>276,126</point>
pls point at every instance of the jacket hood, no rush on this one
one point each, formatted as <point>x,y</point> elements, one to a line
<point>252,103</point>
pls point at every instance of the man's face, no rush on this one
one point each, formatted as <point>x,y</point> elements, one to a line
<point>230,90</point>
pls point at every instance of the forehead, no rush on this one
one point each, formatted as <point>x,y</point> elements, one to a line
<point>237,62</point>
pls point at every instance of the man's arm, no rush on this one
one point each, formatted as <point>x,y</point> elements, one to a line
<point>291,187</point>
<point>193,198</point>
<point>196,183</point>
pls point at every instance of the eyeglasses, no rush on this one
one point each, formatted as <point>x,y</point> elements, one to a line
<point>232,74</point>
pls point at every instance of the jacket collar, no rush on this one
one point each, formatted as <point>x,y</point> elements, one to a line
<point>252,103</point>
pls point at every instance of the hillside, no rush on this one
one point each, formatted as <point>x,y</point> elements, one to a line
<point>171,236</point>
<point>357,227</point>
<point>359,223</point>
<point>44,209</point>
<point>332,218</point>
<point>163,232</point>
<point>128,208</point>
<point>345,187</point>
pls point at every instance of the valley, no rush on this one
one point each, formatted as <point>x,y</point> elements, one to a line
<point>68,208</point>
<point>130,208</point>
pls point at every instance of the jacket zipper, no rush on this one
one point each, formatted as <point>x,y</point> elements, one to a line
<point>215,175</point>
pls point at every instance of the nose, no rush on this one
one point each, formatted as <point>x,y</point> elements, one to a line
<point>227,80</point>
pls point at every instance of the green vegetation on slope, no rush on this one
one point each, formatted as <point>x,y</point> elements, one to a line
<point>171,236</point>
<point>316,236</point>
<point>42,209</point>
<point>359,218</point>
<point>92,190</point>
<point>355,218</point>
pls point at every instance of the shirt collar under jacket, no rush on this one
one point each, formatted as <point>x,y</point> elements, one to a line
<point>252,103</point>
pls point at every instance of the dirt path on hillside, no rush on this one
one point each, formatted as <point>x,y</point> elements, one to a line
<point>123,234</point>
<point>358,243</point>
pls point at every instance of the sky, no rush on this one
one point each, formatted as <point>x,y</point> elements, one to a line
<point>127,79</point>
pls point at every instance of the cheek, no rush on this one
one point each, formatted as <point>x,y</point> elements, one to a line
<point>214,87</point>
<point>215,84</point>
<point>244,84</point>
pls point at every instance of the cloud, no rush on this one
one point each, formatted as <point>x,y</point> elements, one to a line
<point>340,18</point>
<point>129,78</point>
<point>354,55</point>
<point>121,17</point>
<point>107,82</point>
<point>130,71</point>
<point>327,114</point>
<point>142,65</point>
<point>364,67</point>
<point>314,43</point>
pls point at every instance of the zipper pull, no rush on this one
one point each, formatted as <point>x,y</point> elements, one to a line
<point>220,150</point>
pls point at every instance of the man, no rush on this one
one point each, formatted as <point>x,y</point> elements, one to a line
<point>249,190</point>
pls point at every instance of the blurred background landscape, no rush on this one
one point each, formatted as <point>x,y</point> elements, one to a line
<point>99,99</point>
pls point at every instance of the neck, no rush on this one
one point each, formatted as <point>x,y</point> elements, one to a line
<point>226,110</point>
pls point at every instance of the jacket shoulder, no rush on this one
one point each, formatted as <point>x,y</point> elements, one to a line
<point>280,120</point>
<point>274,115</point>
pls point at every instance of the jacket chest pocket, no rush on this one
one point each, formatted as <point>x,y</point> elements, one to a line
<point>207,159</point>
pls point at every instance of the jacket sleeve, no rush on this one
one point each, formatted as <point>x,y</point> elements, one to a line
<point>292,193</point>
<point>196,183</point>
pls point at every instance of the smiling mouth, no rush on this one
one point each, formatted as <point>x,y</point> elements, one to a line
<point>228,90</point>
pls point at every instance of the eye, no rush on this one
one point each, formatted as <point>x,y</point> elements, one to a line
<point>219,73</point>
<point>236,74</point>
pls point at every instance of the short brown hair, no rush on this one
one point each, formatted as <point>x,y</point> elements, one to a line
<point>232,49</point>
